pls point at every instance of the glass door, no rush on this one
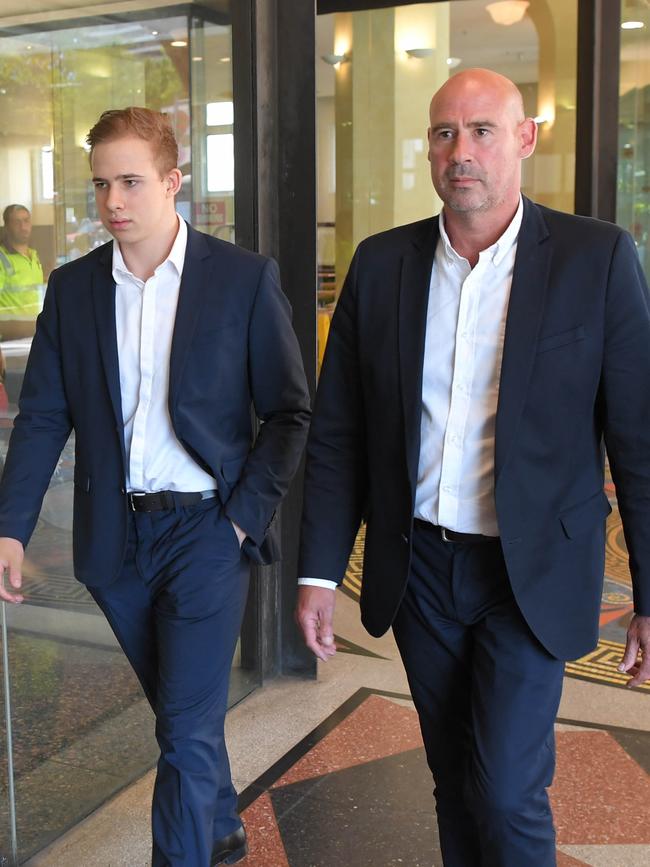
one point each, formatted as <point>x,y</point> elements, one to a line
<point>81,727</point>
<point>376,71</point>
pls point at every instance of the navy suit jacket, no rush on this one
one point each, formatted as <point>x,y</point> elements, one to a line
<point>233,347</point>
<point>575,377</point>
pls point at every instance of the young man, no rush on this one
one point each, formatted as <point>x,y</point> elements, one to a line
<point>515,341</point>
<point>21,275</point>
<point>153,348</point>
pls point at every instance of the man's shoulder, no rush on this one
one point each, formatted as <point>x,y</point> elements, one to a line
<point>202,243</point>
<point>569,227</point>
<point>79,268</point>
<point>399,238</point>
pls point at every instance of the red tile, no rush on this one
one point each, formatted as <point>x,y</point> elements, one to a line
<point>265,847</point>
<point>376,729</point>
<point>600,794</point>
<point>564,860</point>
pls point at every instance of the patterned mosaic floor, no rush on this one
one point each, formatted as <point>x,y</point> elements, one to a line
<point>616,608</point>
<point>347,792</point>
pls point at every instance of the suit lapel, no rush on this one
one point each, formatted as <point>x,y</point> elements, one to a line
<point>525,309</point>
<point>415,280</point>
<point>195,279</point>
<point>103,292</point>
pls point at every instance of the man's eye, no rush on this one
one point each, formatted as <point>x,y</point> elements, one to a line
<point>481,132</point>
<point>130,182</point>
<point>100,185</point>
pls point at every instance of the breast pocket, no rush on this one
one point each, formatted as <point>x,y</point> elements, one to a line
<point>564,338</point>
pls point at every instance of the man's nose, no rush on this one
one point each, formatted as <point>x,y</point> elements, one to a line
<point>114,200</point>
<point>461,152</point>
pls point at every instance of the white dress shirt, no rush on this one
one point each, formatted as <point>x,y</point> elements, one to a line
<point>465,333</point>
<point>466,326</point>
<point>145,312</point>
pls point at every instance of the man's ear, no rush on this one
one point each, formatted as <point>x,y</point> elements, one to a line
<point>528,133</point>
<point>173,181</point>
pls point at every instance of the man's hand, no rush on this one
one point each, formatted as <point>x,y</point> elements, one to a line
<point>241,535</point>
<point>11,561</point>
<point>638,641</point>
<point>314,616</point>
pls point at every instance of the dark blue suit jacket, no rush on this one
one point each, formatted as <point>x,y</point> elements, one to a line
<point>575,376</point>
<point>233,347</point>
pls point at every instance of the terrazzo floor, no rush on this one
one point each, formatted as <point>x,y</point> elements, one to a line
<point>330,772</point>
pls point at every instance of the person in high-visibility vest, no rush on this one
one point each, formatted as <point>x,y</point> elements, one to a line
<point>21,276</point>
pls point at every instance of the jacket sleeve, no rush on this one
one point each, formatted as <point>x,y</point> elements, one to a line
<point>336,479</point>
<point>281,402</point>
<point>625,396</point>
<point>40,431</point>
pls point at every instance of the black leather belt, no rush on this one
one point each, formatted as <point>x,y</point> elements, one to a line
<point>141,502</point>
<point>454,536</point>
<point>464,538</point>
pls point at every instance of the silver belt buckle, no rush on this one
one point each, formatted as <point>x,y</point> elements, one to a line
<point>133,494</point>
<point>443,533</point>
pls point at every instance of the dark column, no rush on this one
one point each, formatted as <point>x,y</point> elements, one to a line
<point>599,23</point>
<point>286,214</point>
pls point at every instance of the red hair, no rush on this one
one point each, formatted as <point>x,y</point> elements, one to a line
<point>151,126</point>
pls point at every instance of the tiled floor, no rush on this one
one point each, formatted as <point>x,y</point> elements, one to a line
<point>331,772</point>
<point>357,791</point>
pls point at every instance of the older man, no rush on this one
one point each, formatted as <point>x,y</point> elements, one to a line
<point>477,364</point>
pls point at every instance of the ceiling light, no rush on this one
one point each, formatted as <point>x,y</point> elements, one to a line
<point>453,62</point>
<point>508,12</point>
<point>632,25</point>
<point>419,53</point>
<point>224,60</point>
<point>178,43</point>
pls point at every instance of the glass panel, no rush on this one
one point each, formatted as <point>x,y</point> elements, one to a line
<point>8,841</point>
<point>82,728</point>
<point>633,202</point>
<point>375,74</point>
<point>213,154</point>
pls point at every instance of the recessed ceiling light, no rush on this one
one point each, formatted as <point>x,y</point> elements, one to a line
<point>453,62</point>
<point>632,25</point>
<point>178,43</point>
<point>224,60</point>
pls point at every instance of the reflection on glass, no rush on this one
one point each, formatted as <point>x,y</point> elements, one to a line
<point>372,108</point>
<point>82,728</point>
<point>633,204</point>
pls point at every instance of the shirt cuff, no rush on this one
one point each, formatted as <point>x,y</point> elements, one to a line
<point>317,582</point>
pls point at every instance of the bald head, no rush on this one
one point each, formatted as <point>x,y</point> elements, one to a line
<point>478,86</point>
<point>477,139</point>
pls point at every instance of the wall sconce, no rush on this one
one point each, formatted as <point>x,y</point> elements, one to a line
<point>419,53</point>
<point>507,12</point>
<point>335,59</point>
